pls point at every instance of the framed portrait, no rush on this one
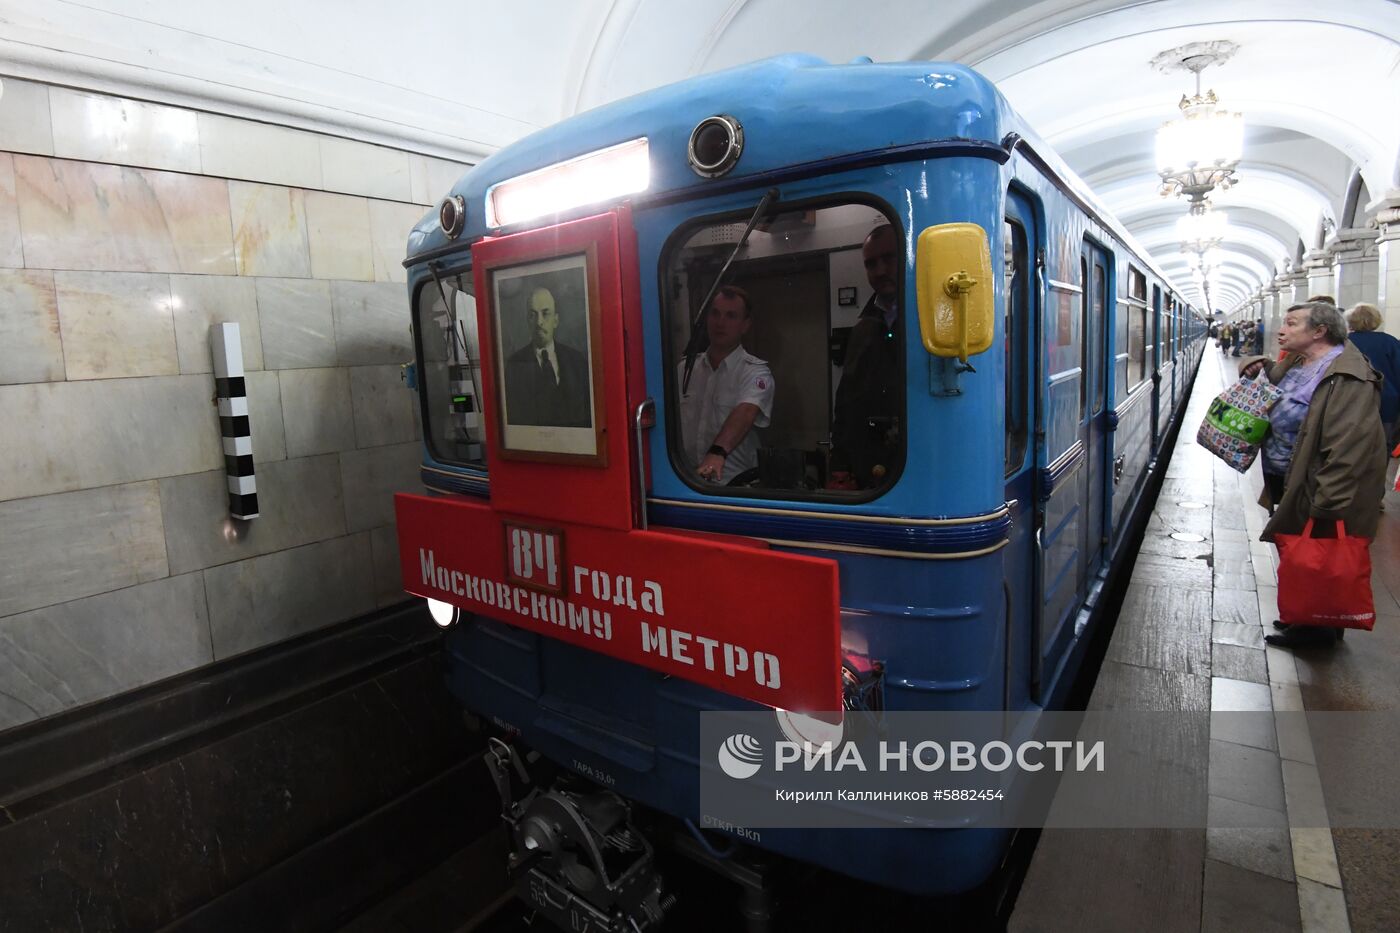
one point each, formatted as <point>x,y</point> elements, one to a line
<point>846,296</point>
<point>544,317</point>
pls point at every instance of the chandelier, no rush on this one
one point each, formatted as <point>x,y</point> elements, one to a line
<point>1199,152</point>
<point>1201,230</point>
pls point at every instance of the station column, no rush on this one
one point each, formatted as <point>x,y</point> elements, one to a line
<point>1317,264</point>
<point>1388,261</point>
<point>1357,266</point>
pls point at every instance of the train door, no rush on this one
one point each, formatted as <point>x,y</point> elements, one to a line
<point>1154,364</point>
<point>1020,335</point>
<point>1093,430</point>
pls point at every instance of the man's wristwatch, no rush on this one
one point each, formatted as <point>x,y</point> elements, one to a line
<point>718,451</point>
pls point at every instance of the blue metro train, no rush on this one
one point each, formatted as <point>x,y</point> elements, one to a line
<point>934,535</point>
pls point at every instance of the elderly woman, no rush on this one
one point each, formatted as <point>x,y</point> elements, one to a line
<point>1324,458</point>
<point>1382,351</point>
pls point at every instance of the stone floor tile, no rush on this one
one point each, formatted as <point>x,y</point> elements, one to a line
<point>1314,856</point>
<point>1323,909</point>
<point>1227,695</point>
<point>1236,899</point>
<point>1249,775</point>
<point>1237,633</point>
<point>1238,663</point>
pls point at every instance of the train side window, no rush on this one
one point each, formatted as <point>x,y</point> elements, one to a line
<point>449,369</point>
<point>1137,327</point>
<point>818,365</point>
<point>1015,325</point>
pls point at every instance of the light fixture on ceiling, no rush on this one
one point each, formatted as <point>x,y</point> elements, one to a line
<point>1198,153</point>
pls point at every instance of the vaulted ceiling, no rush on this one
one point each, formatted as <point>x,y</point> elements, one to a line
<point>1319,84</point>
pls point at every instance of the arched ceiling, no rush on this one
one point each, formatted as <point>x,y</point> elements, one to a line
<point>1319,84</point>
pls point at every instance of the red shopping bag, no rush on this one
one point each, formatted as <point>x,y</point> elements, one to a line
<point>1325,581</point>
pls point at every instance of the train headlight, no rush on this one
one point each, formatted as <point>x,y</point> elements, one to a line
<point>715,145</point>
<point>801,728</point>
<point>452,215</point>
<point>589,179</point>
<point>444,614</point>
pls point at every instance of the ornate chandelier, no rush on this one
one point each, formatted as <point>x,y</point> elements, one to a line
<point>1199,152</point>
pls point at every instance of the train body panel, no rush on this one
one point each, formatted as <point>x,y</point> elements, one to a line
<point>971,568</point>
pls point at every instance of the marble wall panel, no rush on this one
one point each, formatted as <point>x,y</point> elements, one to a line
<point>269,230</point>
<point>258,152</point>
<point>99,128</point>
<point>297,324</point>
<point>85,215</point>
<point>388,577</point>
<point>383,404</point>
<point>30,347</point>
<point>337,227</point>
<point>360,168</point>
<point>316,411</point>
<point>116,324</point>
<point>433,178</point>
<point>11,243</point>
<point>88,649</point>
<point>371,323</point>
<point>265,416</point>
<point>299,502</point>
<point>389,224</point>
<point>199,301</point>
<point>63,547</point>
<point>268,599</point>
<point>24,118</point>
<point>59,436</point>
<point>370,477</point>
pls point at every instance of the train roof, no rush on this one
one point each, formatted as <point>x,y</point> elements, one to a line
<point>795,109</point>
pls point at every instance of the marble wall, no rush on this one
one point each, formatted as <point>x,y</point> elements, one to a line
<point>127,229</point>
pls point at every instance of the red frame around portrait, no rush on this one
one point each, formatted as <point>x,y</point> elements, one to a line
<point>597,489</point>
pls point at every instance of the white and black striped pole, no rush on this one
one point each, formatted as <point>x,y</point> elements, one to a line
<point>232,394</point>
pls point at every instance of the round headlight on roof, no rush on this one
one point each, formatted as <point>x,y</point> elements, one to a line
<point>452,215</point>
<point>715,145</point>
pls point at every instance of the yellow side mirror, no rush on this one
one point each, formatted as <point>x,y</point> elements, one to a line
<point>953,277</point>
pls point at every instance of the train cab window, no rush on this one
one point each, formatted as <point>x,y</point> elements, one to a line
<point>1015,321</point>
<point>791,383</point>
<point>449,375</point>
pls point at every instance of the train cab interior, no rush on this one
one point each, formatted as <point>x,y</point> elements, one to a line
<point>803,272</point>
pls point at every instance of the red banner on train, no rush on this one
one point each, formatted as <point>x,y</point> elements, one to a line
<point>730,615</point>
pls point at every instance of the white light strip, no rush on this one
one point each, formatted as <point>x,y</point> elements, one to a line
<point>589,179</point>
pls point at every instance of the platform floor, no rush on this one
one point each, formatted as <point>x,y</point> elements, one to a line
<point>1190,636</point>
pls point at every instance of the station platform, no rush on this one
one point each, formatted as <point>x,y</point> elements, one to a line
<point>1190,637</point>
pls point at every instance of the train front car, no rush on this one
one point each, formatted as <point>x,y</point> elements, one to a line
<point>615,568</point>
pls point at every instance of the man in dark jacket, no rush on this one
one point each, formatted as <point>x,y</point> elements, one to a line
<point>866,426</point>
<point>547,383</point>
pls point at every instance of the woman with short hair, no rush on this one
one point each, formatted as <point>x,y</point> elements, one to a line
<point>1382,351</point>
<point>1324,458</point>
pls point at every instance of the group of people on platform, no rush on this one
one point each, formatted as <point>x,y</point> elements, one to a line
<point>1331,433</point>
<point>1246,337</point>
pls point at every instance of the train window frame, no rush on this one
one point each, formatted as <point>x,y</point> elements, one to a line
<point>1015,382</point>
<point>1137,314</point>
<point>674,446</point>
<point>464,273</point>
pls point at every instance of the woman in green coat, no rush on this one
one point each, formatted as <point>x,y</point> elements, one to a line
<point>1324,458</point>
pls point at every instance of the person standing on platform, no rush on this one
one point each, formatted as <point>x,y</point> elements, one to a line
<point>1323,459</point>
<point>1383,352</point>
